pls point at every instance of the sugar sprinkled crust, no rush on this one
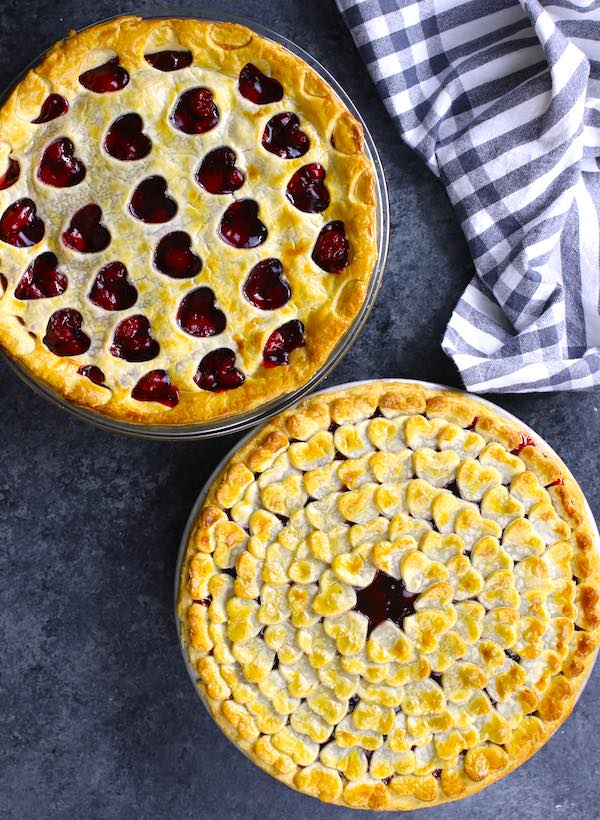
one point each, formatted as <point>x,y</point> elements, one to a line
<point>487,532</point>
<point>326,303</point>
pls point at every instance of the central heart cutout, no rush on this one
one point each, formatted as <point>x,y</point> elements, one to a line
<point>217,371</point>
<point>198,316</point>
<point>218,173</point>
<point>125,139</point>
<point>266,287</point>
<point>111,290</point>
<point>306,189</point>
<point>284,137</point>
<point>174,256</point>
<point>53,106</point>
<point>169,60</point>
<point>133,341</point>
<point>20,226</point>
<point>281,342</point>
<point>59,167</point>
<point>42,279</point>
<point>86,233</point>
<point>331,248</point>
<point>156,386</point>
<point>195,112</point>
<point>240,226</point>
<point>64,336</point>
<point>11,175</point>
<point>151,203</point>
<point>257,87</point>
<point>105,78</point>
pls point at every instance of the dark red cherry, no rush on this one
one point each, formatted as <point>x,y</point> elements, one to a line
<point>53,106</point>
<point>240,225</point>
<point>524,441</point>
<point>111,290</point>
<point>86,233</point>
<point>105,78</point>
<point>150,201</point>
<point>217,371</point>
<point>198,316</point>
<point>11,175</point>
<point>195,112</point>
<point>330,252</point>
<point>174,256</point>
<point>156,386</point>
<point>218,174</point>
<point>306,189</point>
<point>281,342</point>
<point>385,598</point>
<point>93,373</point>
<point>266,287</point>
<point>257,87</point>
<point>59,166</point>
<point>132,340</point>
<point>169,60</point>
<point>64,336</point>
<point>284,137</point>
<point>125,139</point>
<point>20,226</point>
<point>42,279</point>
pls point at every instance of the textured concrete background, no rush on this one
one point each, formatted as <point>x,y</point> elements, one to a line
<point>98,718</point>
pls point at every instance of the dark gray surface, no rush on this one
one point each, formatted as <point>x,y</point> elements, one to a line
<point>98,718</point>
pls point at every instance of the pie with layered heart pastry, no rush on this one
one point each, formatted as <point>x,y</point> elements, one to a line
<point>390,597</point>
<point>187,220</point>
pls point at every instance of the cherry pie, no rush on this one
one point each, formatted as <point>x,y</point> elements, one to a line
<point>187,220</point>
<point>391,596</point>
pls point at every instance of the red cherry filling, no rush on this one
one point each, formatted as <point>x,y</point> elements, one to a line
<point>11,175</point>
<point>217,371</point>
<point>169,60</point>
<point>64,336</point>
<point>174,256</point>
<point>195,112</point>
<point>105,78</point>
<point>306,189</point>
<point>156,386</point>
<point>111,290</point>
<point>93,373</point>
<point>257,87</point>
<point>42,279</point>
<point>331,248</point>
<point>281,342</point>
<point>240,225</point>
<point>59,166</point>
<point>266,287</point>
<point>125,139</point>
<point>524,441</point>
<point>218,174</point>
<point>86,233</point>
<point>53,106</point>
<point>132,340</point>
<point>198,316</point>
<point>284,137</point>
<point>20,226</point>
<point>150,201</point>
<point>385,599</point>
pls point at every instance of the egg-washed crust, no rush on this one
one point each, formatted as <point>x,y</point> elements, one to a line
<point>326,303</point>
<point>559,682</point>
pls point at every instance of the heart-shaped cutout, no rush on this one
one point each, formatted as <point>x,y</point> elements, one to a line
<point>156,386</point>
<point>217,371</point>
<point>331,249</point>
<point>64,334</point>
<point>42,279</point>
<point>93,373</point>
<point>174,256</point>
<point>218,173</point>
<point>11,175</point>
<point>86,233</point>
<point>105,78</point>
<point>198,316</point>
<point>169,59</point>
<point>53,106</point>
<point>20,226</point>
<point>257,87</point>
<point>281,342</point>
<point>306,189</point>
<point>284,137</point>
<point>132,340</point>
<point>195,111</point>
<point>240,226</point>
<point>59,167</point>
<point>266,287</point>
<point>111,290</point>
<point>151,203</point>
<point>125,139</point>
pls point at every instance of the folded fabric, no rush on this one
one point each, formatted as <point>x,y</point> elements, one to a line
<point>501,98</point>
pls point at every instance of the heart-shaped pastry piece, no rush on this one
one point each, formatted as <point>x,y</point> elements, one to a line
<point>174,256</point>
<point>266,287</point>
<point>240,226</point>
<point>125,139</point>
<point>20,225</point>
<point>133,341</point>
<point>11,175</point>
<point>105,78</point>
<point>217,371</point>
<point>306,189</point>
<point>284,137</point>
<point>169,59</point>
<point>281,342</point>
<point>156,386</point>
<point>257,87</point>
<point>111,290</point>
<point>53,106</point>
<point>42,279</point>
<point>195,111</point>
<point>331,249</point>
<point>198,316</point>
<point>86,233</point>
<point>59,167</point>
<point>151,203</point>
<point>64,334</point>
<point>218,173</point>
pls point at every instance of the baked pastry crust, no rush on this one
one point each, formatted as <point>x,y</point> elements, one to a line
<point>488,533</point>
<point>326,303</point>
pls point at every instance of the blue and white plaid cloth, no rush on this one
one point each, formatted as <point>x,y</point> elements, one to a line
<point>501,98</point>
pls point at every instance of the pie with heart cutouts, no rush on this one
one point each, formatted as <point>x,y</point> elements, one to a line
<point>187,220</point>
<point>390,598</point>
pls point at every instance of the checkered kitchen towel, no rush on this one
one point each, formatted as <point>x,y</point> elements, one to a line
<point>501,98</point>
